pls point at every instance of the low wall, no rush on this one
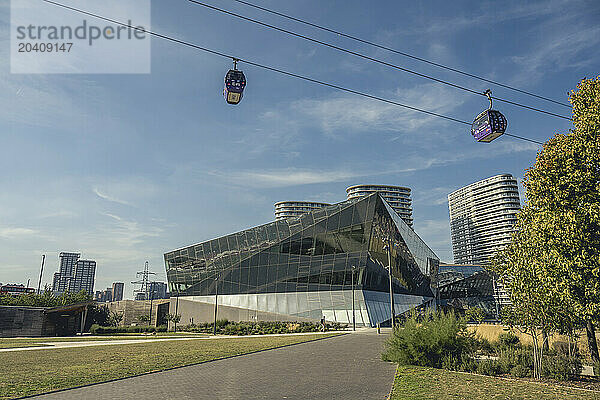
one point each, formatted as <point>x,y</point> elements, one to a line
<point>18,321</point>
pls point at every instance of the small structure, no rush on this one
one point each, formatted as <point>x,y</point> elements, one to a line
<point>17,321</point>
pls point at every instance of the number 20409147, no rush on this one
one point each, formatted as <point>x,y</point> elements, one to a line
<point>45,47</point>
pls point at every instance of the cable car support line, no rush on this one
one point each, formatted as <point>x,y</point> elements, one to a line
<point>266,67</point>
<point>332,46</point>
<point>380,46</point>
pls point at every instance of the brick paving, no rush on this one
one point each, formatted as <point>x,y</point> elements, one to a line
<point>343,367</point>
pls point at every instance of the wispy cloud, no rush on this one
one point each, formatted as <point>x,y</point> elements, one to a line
<point>11,233</point>
<point>110,198</point>
<point>342,115</point>
<point>559,49</point>
<point>289,177</point>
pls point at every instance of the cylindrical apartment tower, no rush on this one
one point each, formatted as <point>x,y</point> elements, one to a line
<point>482,218</point>
<point>287,209</point>
<point>398,197</point>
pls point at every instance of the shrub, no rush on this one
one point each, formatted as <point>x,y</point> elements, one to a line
<point>508,339</point>
<point>484,345</point>
<point>225,327</point>
<point>105,330</point>
<point>463,363</point>
<point>561,367</point>
<point>489,367</point>
<point>427,341</point>
<point>520,371</point>
<point>513,357</point>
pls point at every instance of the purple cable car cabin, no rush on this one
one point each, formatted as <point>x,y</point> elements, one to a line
<point>235,82</point>
<point>488,126</point>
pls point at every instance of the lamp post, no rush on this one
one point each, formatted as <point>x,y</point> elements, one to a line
<point>353,313</point>
<point>389,249</point>
<point>216,302</point>
<point>151,298</point>
<point>176,308</point>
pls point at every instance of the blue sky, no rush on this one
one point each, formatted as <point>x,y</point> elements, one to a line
<point>125,167</point>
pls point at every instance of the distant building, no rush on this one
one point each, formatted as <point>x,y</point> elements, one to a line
<point>66,270</point>
<point>104,296</point>
<point>157,290</point>
<point>74,274</point>
<point>15,290</point>
<point>397,197</point>
<point>288,209</point>
<point>55,281</point>
<point>117,291</point>
<point>482,218</point>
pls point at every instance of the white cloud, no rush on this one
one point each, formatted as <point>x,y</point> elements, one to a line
<point>110,198</point>
<point>10,233</point>
<point>562,45</point>
<point>338,116</point>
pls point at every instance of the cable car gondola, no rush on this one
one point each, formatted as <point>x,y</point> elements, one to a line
<point>235,82</point>
<point>488,125</point>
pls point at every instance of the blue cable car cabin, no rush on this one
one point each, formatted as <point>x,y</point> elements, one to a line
<point>488,125</point>
<point>235,82</point>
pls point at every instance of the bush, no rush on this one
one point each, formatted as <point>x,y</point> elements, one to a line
<point>106,330</point>
<point>225,327</point>
<point>429,340</point>
<point>521,371</point>
<point>561,367</point>
<point>484,345</point>
<point>508,339</point>
<point>463,363</point>
<point>515,357</point>
<point>489,367</point>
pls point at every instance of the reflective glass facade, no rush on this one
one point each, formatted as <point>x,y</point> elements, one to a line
<point>307,262</point>
<point>462,286</point>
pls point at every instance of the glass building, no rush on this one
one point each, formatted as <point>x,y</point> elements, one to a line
<point>303,267</point>
<point>462,286</point>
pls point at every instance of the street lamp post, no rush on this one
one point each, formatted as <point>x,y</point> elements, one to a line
<point>176,308</point>
<point>389,249</point>
<point>353,313</point>
<point>216,302</point>
<point>151,298</point>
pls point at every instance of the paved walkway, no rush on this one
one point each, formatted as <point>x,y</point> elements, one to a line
<point>343,367</point>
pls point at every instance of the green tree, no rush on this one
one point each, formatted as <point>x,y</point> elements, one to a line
<point>144,318</point>
<point>115,318</point>
<point>557,246</point>
<point>475,314</point>
<point>533,309</point>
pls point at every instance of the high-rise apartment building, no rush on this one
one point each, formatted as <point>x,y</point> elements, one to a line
<point>288,209</point>
<point>74,275</point>
<point>117,291</point>
<point>83,279</point>
<point>398,197</point>
<point>66,270</point>
<point>482,218</point>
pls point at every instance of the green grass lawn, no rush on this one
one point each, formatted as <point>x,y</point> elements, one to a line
<point>39,371</point>
<point>420,383</point>
<point>9,343</point>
